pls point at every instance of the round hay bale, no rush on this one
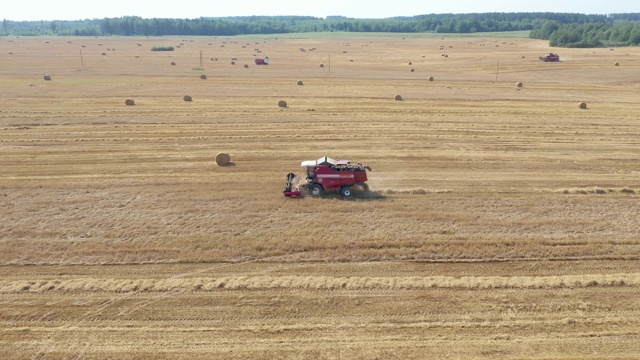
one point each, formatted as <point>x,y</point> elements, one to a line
<point>398,98</point>
<point>129,102</point>
<point>616,64</point>
<point>321,65</point>
<point>413,70</point>
<point>282,104</point>
<point>173,63</point>
<point>300,82</point>
<point>223,159</point>
<point>233,63</point>
<point>47,77</point>
<point>519,84</point>
<point>246,66</point>
<point>187,98</point>
<point>410,63</point>
<point>203,77</point>
<point>431,78</point>
<point>582,105</point>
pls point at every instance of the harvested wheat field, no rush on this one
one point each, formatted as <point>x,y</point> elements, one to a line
<point>502,222</point>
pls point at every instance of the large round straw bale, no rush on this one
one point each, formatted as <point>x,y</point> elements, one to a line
<point>321,65</point>
<point>173,63</point>
<point>129,102</point>
<point>282,104</point>
<point>398,98</point>
<point>203,77</point>
<point>582,105</point>
<point>413,70</point>
<point>47,77</point>
<point>410,63</point>
<point>223,159</point>
<point>519,84</point>
<point>300,82</point>
<point>430,78</point>
<point>616,64</point>
<point>187,98</point>
<point>246,66</point>
<point>233,63</point>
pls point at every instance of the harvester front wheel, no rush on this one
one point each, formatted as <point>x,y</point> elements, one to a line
<point>346,192</point>
<point>316,190</point>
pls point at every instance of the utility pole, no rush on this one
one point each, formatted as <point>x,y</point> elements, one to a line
<point>81,60</point>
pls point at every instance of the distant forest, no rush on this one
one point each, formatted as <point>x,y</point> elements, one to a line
<point>561,29</point>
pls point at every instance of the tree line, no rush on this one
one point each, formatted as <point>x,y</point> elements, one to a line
<point>587,35</point>
<point>137,26</point>
<point>561,29</point>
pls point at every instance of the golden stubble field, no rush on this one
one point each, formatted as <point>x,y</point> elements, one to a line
<point>503,222</point>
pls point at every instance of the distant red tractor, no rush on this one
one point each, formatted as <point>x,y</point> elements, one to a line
<point>550,57</point>
<point>327,174</point>
<point>264,61</point>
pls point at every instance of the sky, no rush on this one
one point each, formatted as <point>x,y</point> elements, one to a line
<point>34,10</point>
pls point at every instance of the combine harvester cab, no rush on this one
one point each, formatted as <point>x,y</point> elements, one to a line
<point>327,174</point>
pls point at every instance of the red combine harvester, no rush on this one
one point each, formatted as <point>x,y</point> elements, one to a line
<point>264,61</point>
<point>327,174</point>
<point>550,57</point>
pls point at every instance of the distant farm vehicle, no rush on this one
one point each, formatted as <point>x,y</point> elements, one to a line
<point>264,61</point>
<point>325,175</point>
<point>550,57</point>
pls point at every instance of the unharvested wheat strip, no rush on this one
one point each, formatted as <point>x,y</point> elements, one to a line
<point>320,282</point>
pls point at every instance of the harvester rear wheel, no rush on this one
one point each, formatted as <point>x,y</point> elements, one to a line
<point>316,190</point>
<point>346,191</point>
